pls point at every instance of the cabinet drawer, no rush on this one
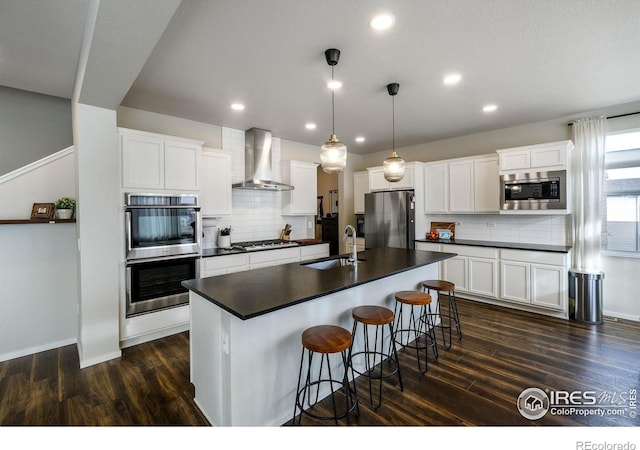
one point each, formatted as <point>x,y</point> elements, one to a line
<point>530,256</point>
<point>465,250</point>
<point>430,246</point>
<point>274,255</point>
<point>224,262</point>
<point>314,251</point>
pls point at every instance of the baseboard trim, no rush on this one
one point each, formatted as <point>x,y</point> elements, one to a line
<point>36,349</point>
<point>141,339</point>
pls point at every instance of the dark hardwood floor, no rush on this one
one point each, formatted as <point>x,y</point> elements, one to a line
<point>476,382</point>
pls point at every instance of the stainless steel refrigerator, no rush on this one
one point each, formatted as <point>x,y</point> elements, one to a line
<point>389,219</point>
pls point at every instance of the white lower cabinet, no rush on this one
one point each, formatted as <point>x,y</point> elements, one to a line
<point>309,252</point>
<point>474,270</point>
<point>515,280</point>
<point>534,278</point>
<point>549,286</point>
<point>455,270</point>
<point>273,257</point>
<point>220,265</point>
<point>483,277</point>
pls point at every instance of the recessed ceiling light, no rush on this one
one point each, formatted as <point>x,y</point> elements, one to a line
<point>334,84</point>
<point>490,108</point>
<point>382,22</point>
<point>310,126</point>
<point>360,139</point>
<point>237,106</point>
<point>453,78</point>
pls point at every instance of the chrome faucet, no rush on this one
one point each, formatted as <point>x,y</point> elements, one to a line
<point>354,252</point>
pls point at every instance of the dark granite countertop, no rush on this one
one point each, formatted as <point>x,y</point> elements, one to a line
<point>506,245</point>
<point>260,291</point>
<point>209,252</point>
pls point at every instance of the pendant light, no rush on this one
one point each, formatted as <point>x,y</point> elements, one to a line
<point>393,165</point>
<point>333,153</point>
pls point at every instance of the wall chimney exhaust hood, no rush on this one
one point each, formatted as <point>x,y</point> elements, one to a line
<point>257,163</point>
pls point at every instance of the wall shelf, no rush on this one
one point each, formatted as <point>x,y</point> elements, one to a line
<point>28,222</point>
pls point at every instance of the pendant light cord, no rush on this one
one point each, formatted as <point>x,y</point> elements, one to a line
<point>333,112</point>
<point>393,122</point>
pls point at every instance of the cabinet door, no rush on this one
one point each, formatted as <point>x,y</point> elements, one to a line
<point>514,160</point>
<point>486,182</point>
<point>142,161</point>
<point>461,186</point>
<point>548,157</point>
<point>436,187</point>
<point>215,183</point>
<point>548,286</point>
<point>360,187</point>
<point>377,181</point>
<point>303,199</point>
<point>407,179</point>
<point>181,165</point>
<point>455,270</point>
<point>483,277</point>
<point>514,285</point>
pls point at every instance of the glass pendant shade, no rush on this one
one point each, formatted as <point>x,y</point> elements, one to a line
<point>333,155</point>
<point>393,167</point>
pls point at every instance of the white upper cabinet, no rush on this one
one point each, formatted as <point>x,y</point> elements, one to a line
<point>303,199</point>
<point>360,187</point>
<point>547,156</point>
<point>155,161</point>
<point>486,185</point>
<point>377,181</point>
<point>215,183</point>
<point>462,185</point>
<point>436,187</point>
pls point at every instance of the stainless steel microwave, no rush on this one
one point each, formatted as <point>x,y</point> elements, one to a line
<point>534,191</point>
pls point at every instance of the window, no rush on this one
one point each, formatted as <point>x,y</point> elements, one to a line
<point>621,230</point>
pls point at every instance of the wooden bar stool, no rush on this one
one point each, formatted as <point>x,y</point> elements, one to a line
<point>375,359</point>
<point>417,325</point>
<point>453,319</point>
<point>325,340</point>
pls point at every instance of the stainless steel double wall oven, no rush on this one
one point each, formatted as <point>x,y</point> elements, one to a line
<point>163,248</point>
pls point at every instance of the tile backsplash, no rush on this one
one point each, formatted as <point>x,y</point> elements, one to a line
<point>256,215</point>
<point>553,230</point>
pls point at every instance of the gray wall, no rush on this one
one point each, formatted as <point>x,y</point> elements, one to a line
<point>32,126</point>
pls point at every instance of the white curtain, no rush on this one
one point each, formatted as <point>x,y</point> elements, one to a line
<point>587,174</point>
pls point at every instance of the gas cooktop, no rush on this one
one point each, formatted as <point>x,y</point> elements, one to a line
<point>264,245</point>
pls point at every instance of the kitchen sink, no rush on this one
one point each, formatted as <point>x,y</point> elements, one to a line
<point>331,263</point>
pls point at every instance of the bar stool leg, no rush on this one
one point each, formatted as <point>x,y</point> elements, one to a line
<point>454,308</point>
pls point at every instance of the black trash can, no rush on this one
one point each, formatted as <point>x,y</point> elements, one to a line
<point>585,296</point>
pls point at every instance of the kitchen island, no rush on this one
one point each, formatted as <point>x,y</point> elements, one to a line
<point>246,327</point>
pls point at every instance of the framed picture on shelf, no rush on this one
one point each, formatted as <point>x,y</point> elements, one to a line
<point>42,211</point>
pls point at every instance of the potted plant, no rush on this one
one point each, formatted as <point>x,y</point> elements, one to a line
<point>224,237</point>
<point>64,208</point>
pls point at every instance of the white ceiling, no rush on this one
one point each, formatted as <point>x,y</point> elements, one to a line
<point>535,59</point>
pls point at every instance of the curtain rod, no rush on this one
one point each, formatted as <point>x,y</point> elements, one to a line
<point>616,116</point>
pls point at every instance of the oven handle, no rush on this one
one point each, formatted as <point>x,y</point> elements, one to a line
<point>197,208</point>
<point>127,216</point>
<point>131,262</point>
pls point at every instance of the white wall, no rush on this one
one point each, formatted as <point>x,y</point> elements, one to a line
<point>99,232</point>
<point>32,126</point>
<point>38,263</point>
<point>551,230</point>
